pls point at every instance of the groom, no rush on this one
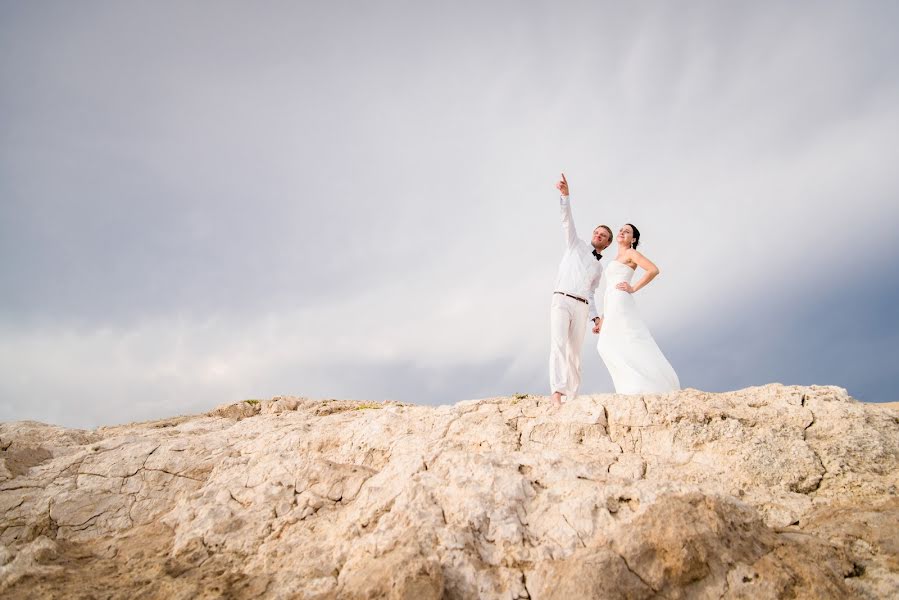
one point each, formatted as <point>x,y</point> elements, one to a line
<point>579,274</point>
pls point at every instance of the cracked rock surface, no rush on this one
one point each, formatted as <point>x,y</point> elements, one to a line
<point>767,492</point>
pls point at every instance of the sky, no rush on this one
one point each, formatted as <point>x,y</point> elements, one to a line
<point>212,201</point>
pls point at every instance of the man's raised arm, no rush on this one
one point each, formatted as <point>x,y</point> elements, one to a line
<point>567,220</point>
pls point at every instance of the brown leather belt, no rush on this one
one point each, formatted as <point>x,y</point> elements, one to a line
<point>575,297</point>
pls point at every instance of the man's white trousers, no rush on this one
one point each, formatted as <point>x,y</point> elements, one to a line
<point>567,325</point>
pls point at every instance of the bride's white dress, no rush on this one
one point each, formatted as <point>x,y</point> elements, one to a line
<point>633,358</point>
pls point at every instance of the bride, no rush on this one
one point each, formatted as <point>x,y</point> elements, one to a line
<point>625,345</point>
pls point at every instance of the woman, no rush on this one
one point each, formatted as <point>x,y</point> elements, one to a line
<point>631,355</point>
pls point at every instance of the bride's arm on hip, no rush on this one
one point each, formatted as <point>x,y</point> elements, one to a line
<point>644,263</point>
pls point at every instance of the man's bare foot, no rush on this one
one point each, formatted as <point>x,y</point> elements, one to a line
<point>557,400</point>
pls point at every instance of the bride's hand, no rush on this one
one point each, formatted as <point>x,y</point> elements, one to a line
<point>625,287</point>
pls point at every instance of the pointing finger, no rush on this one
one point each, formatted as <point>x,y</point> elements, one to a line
<point>563,178</point>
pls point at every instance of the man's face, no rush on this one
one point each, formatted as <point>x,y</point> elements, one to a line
<point>601,238</point>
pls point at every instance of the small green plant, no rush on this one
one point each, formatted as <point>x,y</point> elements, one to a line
<point>366,405</point>
<point>252,401</point>
<point>522,396</point>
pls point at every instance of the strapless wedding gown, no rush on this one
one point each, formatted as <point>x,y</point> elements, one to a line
<point>631,355</point>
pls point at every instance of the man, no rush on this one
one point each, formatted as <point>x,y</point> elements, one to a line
<point>572,303</point>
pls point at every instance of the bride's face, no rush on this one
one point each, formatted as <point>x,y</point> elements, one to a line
<point>626,235</point>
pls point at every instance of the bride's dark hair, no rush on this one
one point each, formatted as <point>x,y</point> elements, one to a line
<point>636,235</point>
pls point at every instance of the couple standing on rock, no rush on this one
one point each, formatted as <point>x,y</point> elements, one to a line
<point>625,345</point>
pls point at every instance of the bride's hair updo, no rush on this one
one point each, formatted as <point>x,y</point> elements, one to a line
<point>636,236</point>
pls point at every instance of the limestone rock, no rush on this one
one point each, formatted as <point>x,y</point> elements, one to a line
<point>767,492</point>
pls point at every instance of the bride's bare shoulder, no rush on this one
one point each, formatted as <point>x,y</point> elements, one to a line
<point>632,256</point>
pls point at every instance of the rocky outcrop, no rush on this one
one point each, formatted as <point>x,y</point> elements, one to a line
<point>768,492</point>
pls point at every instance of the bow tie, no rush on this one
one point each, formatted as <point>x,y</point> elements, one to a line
<point>597,254</point>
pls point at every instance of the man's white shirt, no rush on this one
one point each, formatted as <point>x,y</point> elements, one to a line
<point>579,271</point>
